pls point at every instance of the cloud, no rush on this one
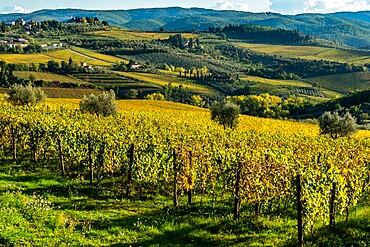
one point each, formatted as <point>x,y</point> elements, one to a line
<point>318,6</point>
<point>13,9</point>
<point>227,5</point>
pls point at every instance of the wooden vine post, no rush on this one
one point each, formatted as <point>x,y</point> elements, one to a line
<point>14,143</point>
<point>237,200</point>
<point>91,166</point>
<point>299,211</point>
<point>129,174</point>
<point>175,178</point>
<point>61,158</point>
<point>332,206</point>
<point>190,179</point>
<point>34,147</point>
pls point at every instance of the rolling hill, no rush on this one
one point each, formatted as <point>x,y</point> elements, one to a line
<point>348,28</point>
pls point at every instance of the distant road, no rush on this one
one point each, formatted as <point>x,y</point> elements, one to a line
<point>92,58</point>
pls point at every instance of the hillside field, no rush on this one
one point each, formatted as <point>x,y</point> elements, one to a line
<point>78,56</point>
<point>312,52</point>
<point>132,35</point>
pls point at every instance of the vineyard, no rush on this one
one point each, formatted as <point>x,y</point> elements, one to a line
<point>344,82</point>
<point>121,84</point>
<point>263,167</point>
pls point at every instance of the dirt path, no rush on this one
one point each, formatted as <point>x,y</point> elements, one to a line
<point>92,58</point>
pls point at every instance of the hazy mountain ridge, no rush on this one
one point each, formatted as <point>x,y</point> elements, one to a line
<point>351,28</point>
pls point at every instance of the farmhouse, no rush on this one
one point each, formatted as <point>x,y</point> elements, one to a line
<point>88,67</point>
<point>57,45</point>
<point>15,44</point>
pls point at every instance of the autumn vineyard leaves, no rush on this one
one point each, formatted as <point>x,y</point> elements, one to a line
<point>183,153</point>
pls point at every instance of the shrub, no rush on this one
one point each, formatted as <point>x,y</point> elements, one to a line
<point>155,96</point>
<point>226,114</point>
<point>25,95</point>
<point>337,126</point>
<point>102,105</point>
<point>131,94</point>
<point>197,101</point>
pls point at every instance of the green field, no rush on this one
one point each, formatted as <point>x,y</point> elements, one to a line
<point>163,80</point>
<point>344,82</point>
<point>311,52</point>
<point>132,35</point>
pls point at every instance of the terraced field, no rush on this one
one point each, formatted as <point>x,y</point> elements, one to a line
<point>312,52</point>
<point>120,83</point>
<point>162,80</point>
<point>132,35</point>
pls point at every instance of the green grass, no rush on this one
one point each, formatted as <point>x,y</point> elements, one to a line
<point>344,82</point>
<point>44,210</point>
<point>312,52</point>
<point>162,80</point>
<point>134,35</point>
<point>41,209</point>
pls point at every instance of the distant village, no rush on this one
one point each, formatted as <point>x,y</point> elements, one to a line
<point>21,42</point>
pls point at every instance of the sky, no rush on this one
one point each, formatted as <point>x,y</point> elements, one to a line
<point>280,6</point>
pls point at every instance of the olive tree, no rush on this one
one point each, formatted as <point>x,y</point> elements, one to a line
<point>337,126</point>
<point>226,114</point>
<point>102,105</point>
<point>25,95</point>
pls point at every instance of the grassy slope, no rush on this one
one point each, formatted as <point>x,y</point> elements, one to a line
<point>132,35</point>
<point>163,80</point>
<point>311,52</point>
